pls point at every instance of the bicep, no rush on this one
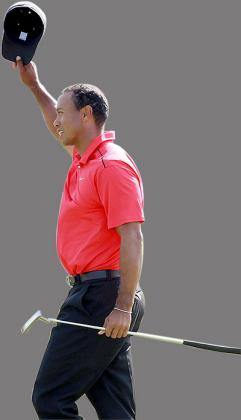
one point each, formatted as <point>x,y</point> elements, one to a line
<point>132,228</point>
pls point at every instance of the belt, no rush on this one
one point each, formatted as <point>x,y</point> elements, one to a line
<point>91,275</point>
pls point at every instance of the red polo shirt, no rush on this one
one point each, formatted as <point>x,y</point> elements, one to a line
<point>103,189</point>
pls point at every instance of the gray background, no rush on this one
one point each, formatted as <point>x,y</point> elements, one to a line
<point>171,70</point>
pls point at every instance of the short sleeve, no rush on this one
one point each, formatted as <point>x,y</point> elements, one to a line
<point>121,193</point>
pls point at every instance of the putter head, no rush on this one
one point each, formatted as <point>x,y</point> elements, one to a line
<point>29,323</point>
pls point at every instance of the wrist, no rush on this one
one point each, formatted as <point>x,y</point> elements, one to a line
<point>34,86</point>
<point>122,310</point>
<point>124,302</point>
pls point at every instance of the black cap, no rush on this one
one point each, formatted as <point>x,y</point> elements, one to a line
<point>24,26</point>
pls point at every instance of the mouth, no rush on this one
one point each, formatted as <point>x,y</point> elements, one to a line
<point>60,132</point>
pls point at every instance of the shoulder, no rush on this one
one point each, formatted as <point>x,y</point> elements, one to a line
<point>119,176</point>
<point>110,152</point>
<point>113,155</point>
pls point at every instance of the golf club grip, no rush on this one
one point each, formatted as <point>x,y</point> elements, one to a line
<point>213,347</point>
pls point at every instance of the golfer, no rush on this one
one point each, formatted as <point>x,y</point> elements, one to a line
<point>100,245</point>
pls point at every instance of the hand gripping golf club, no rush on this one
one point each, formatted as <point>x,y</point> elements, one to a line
<point>37,316</point>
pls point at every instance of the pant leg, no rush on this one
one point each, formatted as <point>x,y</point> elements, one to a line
<point>113,395</point>
<point>76,357</point>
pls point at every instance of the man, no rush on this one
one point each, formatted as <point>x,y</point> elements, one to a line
<point>100,245</point>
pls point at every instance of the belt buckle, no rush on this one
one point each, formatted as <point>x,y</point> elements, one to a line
<point>70,280</point>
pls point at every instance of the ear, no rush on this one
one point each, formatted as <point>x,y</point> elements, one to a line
<point>86,112</point>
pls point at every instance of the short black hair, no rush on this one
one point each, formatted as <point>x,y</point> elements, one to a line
<point>85,94</point>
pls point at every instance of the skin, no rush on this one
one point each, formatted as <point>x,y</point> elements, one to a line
<point>118,323</point>
<point>78,126</point>
<point>79,129</point>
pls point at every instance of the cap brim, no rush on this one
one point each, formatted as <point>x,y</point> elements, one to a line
<point>10,50</point>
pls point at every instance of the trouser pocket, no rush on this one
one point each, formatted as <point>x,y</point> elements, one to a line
<point>76,298</point>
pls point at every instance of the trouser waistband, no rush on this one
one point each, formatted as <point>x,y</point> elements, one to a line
<point>91,275</point>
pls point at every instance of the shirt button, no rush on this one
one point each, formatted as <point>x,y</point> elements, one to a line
<point>79,166</point>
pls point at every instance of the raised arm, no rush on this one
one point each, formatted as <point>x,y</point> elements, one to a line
<point>29,77</point>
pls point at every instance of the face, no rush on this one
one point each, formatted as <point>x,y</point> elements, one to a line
<point>69,122</point>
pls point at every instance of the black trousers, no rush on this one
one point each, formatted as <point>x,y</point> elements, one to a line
<point>78,361</point>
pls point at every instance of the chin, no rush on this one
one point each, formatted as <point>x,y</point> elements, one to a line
<point>68,142</point>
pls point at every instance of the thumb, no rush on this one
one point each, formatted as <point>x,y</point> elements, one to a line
<point>19,62</point>
<point>101,332</point>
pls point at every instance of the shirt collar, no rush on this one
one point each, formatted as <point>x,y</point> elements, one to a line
<point>106,136</point>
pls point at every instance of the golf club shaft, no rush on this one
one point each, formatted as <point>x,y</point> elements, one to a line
<point>201,345</point>
<point>137,334</point>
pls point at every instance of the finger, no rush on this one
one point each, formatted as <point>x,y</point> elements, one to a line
<point>121,333</point>
<point>108,331</point>
<point>115,333</point>
<point>125,333</point>
<point>13,65</point>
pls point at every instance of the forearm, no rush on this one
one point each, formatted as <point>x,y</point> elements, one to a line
<point>131,261</point>
<point>47,105</point>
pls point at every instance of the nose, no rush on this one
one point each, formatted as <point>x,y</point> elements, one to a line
<point>56,123</point>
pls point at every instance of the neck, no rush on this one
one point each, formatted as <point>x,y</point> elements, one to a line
<point>83,143</point>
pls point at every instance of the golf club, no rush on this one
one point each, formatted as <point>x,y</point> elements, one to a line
<point>37,316</point>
